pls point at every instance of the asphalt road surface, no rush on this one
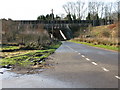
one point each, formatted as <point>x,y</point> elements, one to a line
<point>76,66</point>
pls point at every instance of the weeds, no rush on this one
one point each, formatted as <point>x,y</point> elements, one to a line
<point>9,48</point>
<point>30,58</point>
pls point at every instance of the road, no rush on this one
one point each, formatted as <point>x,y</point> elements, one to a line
<point>75,66</point>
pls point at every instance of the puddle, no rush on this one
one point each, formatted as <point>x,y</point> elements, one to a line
<point>38,80</point>
<point>7,74</point>
<point>33,81</point>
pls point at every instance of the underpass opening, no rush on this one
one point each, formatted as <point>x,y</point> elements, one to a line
<point>62,34</point>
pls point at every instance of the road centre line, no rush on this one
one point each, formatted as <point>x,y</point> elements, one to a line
<point>117,77</point>
<point>70,48</point>
<point>105,69</point>
<point>94,63</point>
<point>82,55</point>
<point>87,59</point>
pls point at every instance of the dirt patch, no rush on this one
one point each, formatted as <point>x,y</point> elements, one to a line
<point>49,63</point>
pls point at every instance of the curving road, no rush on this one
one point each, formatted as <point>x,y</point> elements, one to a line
<point>76,66</point>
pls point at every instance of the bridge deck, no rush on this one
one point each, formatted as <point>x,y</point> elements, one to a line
<point>61,21</point>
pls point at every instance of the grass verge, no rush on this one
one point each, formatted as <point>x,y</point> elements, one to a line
<point>30,58</point>
<point>9,48</point>
<point>100,46</point>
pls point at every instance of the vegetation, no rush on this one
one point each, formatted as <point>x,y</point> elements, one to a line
<point>26,45</point>
<point>95,10</point>
<point>27,58</point>
<point>9,48</point>
<point>100,45</point>
<point>24,59</point>
<point>105,36</point>
<point>48,17</point>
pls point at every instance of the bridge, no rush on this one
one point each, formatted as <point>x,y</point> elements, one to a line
<point>78,22</point>
<point>57,24</point>
<point>61,29</point>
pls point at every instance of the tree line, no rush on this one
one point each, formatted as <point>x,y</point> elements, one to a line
<point>48,17</point>
<point>92,10</point>
<point>86,11</point>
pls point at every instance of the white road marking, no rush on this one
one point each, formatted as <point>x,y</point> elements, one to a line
<point>117,77</point>
<point>82,55</point>
<point>94,63</point>
<point>70,48</point>
<point>105,69</point>
<point>87,59</point>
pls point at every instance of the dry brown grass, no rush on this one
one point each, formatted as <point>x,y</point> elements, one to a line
<point>106,35</point>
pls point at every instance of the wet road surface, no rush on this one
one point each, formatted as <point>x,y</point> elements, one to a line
<point>76,66</point>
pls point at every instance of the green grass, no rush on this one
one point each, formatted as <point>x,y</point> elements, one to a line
<point>100,46</point>
<point>24,59</point>
<point>9,48</point>
<point>28,58</point>
<point>54,46</point>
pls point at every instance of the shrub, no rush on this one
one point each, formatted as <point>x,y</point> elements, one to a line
<point>106,34</point>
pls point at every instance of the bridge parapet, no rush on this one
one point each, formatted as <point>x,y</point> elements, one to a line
<point>52,22</point>
<point>77,22</point>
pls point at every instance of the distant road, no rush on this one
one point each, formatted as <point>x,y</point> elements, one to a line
<point>76,66</point>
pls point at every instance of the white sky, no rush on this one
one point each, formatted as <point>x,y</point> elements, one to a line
<point>31,9</point>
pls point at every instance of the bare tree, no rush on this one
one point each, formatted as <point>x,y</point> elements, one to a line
<point>102,7</point>
<point>94,8</point>
<point>80,9</point>
<point>110,9</point>
<point>75,9</point>
<point>115,12</point>
<point>69,8</point>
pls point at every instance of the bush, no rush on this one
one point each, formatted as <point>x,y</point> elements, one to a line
<point>106,34</point>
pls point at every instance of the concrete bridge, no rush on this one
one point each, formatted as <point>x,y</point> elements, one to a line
<point>61,28</point>
<point>60,24</point>
<point>67,22</point>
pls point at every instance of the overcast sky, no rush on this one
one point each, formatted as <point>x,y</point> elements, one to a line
<point>31,9</point>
